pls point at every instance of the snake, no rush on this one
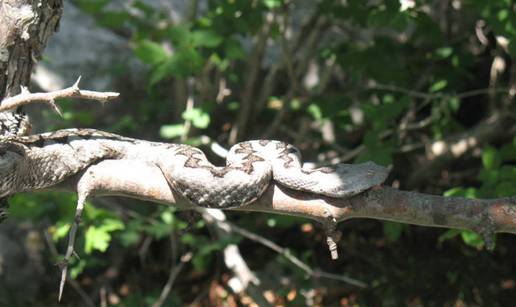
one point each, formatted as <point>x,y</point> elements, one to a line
<point>43,160</point>
<point>252,165</point>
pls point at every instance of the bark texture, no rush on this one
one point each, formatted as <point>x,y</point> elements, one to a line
<point>25,28</point>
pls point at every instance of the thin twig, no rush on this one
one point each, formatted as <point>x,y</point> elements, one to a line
<point>417,94</point>
<point>285,253</point>
<point>189,106</point>
<point>53,250</point>
<point>254,65</point>
<point>102,296</point>
<point>71,242</point>
<point>25,97</point>
<point>174,272</point>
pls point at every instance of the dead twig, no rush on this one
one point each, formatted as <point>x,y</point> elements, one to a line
<point>71,242</point>
<point>174,272</point>
<point>254,66</point>
<point>53,250</point>
<point>424,95</point>
<point>230,227</point>
<point>25,97</point>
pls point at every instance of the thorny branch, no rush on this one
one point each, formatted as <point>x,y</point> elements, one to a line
<point>25,97</point>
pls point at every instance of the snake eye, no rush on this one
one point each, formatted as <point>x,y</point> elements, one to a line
<point>292,149</point>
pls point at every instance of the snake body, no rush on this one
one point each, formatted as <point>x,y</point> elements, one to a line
<point>40,161</point>
<point>252,165</point>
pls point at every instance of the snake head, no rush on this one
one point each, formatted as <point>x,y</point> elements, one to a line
<point>11,158</point>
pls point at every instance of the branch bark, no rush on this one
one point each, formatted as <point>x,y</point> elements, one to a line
<point>73,91</point>
<point>25,28</point>
<point>145,181</point>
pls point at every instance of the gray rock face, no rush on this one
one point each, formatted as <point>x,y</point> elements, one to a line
<point>81,47</point>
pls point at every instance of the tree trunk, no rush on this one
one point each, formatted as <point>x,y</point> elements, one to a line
<point>25,28</point>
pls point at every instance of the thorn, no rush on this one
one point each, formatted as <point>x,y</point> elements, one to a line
<point>74,253</point>
<point>64,272</point>
<point>24,90</point>
<point>75,86</point>
<point>55,107</point>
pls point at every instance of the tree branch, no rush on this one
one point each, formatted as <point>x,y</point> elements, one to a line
<point>145,181</point>
<point>442,153</point>
<point>25,97</point>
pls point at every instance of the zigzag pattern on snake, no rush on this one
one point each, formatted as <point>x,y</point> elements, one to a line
<point>40,161</point>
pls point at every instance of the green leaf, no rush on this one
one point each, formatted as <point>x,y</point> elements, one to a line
<point>459,191</point>
<point>449,234</point>
<point>272,3</point>
<point>112,224</point>
<point>98,237</point>
<point>168,217</point>
<point>503,14</point>
<point>392,230</point>
<point>161,72</point>
<point>198,117</point>
<point>444,52</point>
<point>60,231</point>
<point>130,238</point>
<point>172,131</point>
<point>439,85</point>
<point>180,35</point>
<point>150,52</point>
<point>315,111</point>
<point>78,268</point>
<point>454,103</point>
<point>491,158</point>
<point>113,19</point>
<point>183,63</point>
<point>206,38</point>
<point>233,106</point>
<point>489,176</point>
<point>158,229</point>
<point>471,238</point>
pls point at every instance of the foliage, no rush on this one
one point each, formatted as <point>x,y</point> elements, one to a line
<point>345,81</point>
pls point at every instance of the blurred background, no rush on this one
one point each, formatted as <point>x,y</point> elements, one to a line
<point>426,87</point>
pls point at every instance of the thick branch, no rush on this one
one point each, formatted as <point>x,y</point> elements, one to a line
<point>145,181</point>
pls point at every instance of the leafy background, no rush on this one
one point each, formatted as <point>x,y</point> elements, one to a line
<point>403,83</point>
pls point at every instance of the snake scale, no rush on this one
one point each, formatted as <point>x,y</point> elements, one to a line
<point>43,160</point>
